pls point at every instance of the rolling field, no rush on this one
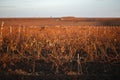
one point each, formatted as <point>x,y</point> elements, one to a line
<point>59,48</point>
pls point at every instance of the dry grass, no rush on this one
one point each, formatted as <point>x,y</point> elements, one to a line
<point>59,45</point>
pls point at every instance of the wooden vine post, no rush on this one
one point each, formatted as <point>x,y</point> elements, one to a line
<point>1,34</point>
<point>79,67</point>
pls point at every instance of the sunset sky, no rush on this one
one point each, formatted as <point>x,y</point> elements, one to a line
<point>59,8</point>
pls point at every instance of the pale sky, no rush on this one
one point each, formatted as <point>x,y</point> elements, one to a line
<point>59,8</point>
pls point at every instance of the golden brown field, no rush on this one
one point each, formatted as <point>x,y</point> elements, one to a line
<point>59,47</point>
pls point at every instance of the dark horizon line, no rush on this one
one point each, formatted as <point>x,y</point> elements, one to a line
<point>65,17</point>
